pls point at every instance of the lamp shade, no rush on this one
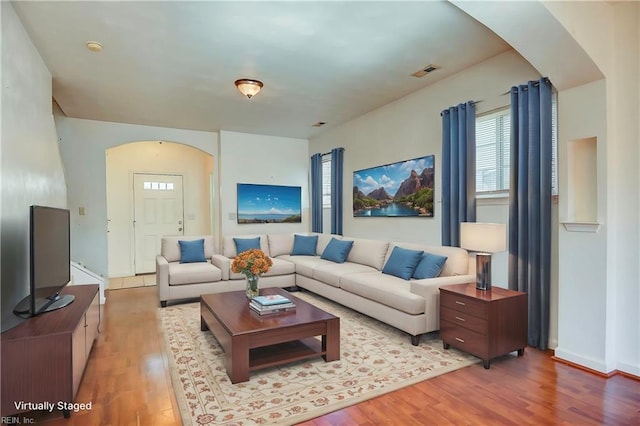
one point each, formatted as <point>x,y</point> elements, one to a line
<point>248,87</point>
<point>483,237</point>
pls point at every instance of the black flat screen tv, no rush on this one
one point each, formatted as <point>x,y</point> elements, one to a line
<point>49,260</point>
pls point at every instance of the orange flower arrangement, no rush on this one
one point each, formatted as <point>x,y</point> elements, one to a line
<point>251,263</point>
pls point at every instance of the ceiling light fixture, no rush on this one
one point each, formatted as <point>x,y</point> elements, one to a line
<point>249,88</point>
<point>94,46</point>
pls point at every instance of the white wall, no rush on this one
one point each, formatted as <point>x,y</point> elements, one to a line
<point>153,157</point>
<point>31,171</point>
<point>612,294</point>
<point>271,160</point>
<point>586,280</point>
<point>83,145</point>
<point>411,127</point>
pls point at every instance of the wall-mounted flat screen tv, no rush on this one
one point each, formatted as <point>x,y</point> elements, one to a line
<point>269,203</point>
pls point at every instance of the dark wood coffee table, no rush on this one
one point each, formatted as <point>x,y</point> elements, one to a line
<point>251,341</point>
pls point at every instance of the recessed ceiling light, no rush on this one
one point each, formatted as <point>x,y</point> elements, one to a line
<point>94,46</point>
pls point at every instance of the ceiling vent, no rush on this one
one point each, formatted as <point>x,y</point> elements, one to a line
<point>319,124</point>
<point>426,70</point>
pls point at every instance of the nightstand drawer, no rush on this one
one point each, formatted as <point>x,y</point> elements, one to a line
<point>464,339</point>
<point>463,319</point>
<point>463,304</point>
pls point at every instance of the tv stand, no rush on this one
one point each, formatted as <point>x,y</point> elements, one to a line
<point>43,359</point>
<point>23,309</point>
<point>59,302</point>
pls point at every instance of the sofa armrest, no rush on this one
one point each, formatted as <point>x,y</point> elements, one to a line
<point>430,289</point>
<point>223,263</point>
<point>162,277</point>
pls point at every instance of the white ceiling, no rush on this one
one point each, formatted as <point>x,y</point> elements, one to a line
<point>173,64</point>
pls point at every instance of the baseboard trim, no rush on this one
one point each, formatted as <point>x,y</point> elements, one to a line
<point>583,368</point>
<point>596,372</point>
<point>628,375</point>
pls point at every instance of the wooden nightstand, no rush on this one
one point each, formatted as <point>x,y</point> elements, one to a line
<point>486,324</point>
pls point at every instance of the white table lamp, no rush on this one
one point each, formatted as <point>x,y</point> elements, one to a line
<point>485,239</point>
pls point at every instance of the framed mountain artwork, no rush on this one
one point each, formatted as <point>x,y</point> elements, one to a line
<point>401,189</point>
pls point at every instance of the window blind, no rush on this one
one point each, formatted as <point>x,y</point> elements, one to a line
<point>493,153</point>
<point>326,181</point>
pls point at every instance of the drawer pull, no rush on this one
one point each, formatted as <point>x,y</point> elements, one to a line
<point>460,340</point>
<point>460,319</point>
<point>460,303</point>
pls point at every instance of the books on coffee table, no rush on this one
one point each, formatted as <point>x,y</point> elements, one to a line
<point>271,310</point>
<point>271,299</point>
<point>271,304</point>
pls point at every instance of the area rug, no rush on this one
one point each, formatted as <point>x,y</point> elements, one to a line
<point>374,359</point>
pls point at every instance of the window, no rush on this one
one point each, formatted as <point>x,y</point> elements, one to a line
<point>326,181</point>
<point>493,133</point>
<point>158,186</point>
<point>493,153</point>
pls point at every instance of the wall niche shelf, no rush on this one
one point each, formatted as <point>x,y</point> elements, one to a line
<point>582,185</point>
<point>592,227</point>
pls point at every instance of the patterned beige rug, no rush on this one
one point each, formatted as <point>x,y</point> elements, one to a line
<point>375,359</point>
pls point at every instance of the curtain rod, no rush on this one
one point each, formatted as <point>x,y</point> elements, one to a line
<point>327,153</point>
<point>535,83</point>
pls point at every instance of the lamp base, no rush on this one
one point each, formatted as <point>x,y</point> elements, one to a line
<point>483,271</point>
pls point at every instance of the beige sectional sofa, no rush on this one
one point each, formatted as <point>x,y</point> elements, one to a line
<point>358,283</point>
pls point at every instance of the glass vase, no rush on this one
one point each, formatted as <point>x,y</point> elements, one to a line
<point>252,286</point>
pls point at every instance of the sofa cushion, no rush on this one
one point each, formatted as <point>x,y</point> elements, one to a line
<point>402,262</point>
<point>457,258</point>
<point>337,250</point>
<point>332,273</point>
<point>368,252</point>
<point>280,244</point>
<point>324,240</point>
<point>304,245</point>
<point>279,267</point>
<point>170,248</point>
<point>192,251</point>
<point>430,266</point>
<point>305,265</point>
<point>229,245</point>
<point>193,273</point>
<point>244,244</point>
<point>385,289</point>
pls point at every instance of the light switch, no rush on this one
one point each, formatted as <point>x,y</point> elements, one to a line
<point>81,211</point>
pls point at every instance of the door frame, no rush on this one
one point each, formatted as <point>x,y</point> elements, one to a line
<point>132,210</point>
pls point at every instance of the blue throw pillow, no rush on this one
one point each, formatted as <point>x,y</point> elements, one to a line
<point>192,251</point>
<point>402,262</point>
<point>304,245</point>
<point>337,250</point>
<point>430,266</point>
<point>244,244</point>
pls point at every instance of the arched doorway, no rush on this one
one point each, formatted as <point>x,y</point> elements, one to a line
<point>158,165</point>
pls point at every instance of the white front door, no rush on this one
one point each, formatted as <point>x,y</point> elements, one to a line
<point>158,212</point>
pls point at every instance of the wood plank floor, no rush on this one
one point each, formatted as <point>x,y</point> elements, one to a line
<point>128,383</point>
